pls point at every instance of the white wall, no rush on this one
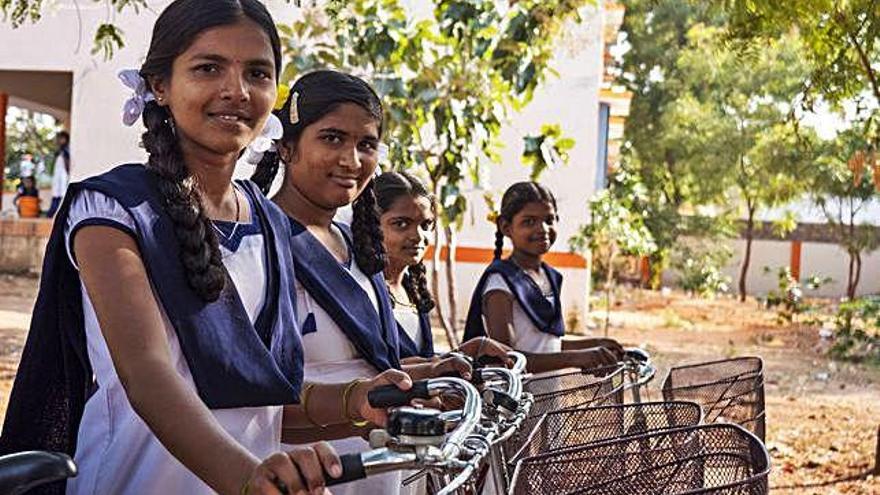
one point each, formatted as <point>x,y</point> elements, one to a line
<point>826,260</point>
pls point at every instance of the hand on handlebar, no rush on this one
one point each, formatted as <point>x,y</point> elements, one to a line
<point>612,345</point>
<point>484,346</point>
<point>298,470</point>
<point>598,357</point>
<point>358,405</point>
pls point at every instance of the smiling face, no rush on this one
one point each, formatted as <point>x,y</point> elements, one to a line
<point>335,157</point>
<point>533,229</point>
<point>221,89</point>
<point>407,226</point>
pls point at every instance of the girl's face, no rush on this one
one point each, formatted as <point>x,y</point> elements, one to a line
<point>335,156</point>
<point>533,229</point>
<point>407,228</point>
<point>221,89</point>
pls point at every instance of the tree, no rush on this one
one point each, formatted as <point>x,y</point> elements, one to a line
<point>845,185</point>
<point>840,42</point>
<point>736,109</point>
<point>658,148</point>
<point>29,133</point>
<point>447,80</point>
<point>614,229</point>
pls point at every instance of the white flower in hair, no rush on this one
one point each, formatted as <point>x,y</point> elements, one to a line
<point>272,131</point>
<point>135,105</point>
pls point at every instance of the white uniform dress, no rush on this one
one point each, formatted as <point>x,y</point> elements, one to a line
<point>116,452</point>
<point>408,317</point>
<point>330,357</point>
<point>526,336</point>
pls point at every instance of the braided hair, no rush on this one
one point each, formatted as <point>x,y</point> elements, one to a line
<point>175,30</point>
<point>389,187</point>
<point>315,95</point>
<point>515,198</point>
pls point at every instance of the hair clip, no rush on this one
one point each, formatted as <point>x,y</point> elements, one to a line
<point>294,108</point>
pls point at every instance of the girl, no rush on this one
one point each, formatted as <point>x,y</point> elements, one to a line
<point>163,348</point>
<point>407,219</point>
<point>517,300</point>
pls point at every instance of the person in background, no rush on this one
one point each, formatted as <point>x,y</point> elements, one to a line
<point>61,173</point>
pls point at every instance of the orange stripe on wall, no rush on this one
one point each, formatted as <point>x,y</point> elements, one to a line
<point>796,260</point>
<point>463,254</point>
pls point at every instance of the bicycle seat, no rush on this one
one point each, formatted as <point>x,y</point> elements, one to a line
<point>22,471</point>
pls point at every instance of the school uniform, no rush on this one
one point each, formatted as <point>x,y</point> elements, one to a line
<point>416,338</point>
<point>537,310</point>
<point>237,353</point>
<point>348,331</point>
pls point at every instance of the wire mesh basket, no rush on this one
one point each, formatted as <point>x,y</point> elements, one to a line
<point>729,390</point>
<point>564,390</point>
<point>568,428</point>
<point>719,459</point>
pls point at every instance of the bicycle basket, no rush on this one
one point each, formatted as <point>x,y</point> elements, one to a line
<point>583,426</point>
<point>729,390</point>
<point>722,459</point>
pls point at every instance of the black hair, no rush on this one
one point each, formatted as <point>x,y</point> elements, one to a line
<point>389,187</point>
<point>515,198</point>
<point>64,134</point>
<point>175,30</point>
<point>315,95</point>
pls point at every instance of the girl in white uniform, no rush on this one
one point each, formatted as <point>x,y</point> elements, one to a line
<point>517,300</point>
<point>163,353</point>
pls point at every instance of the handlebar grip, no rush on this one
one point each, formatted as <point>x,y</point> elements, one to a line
<point>387,396</point>
<point>636,354</point>
<point>489,361</point>
<point>352,470</point>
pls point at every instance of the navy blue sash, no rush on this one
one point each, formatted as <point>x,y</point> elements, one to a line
<point>546,315</point>
<point>233,362</point>
<point>373,334</point>
<point>408,347</point>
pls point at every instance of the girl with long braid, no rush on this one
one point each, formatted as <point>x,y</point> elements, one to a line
<point>407,215</point>
<point>163,353</point>
<point>517,300</point>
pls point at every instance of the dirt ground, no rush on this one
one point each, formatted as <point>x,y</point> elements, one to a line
<point>822,415</point>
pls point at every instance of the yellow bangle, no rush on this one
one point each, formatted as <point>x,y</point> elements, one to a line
<point>305,405</point>
<point>245,488</point>
<point>345,395</point>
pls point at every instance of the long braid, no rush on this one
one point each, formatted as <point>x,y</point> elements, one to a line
<point>499,244</point>
<point>266,170</point>
<point>415,282</point>
<point>199,249</point>
<point>369,251</point>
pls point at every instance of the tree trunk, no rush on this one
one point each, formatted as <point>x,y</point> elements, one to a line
<point>435,282</point>
<point>855,272</point>
<point>451,286</point>
<point>877,455</point>
<point>750,234</point>
<point>609,280</point>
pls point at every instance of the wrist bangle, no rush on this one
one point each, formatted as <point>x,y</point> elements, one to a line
<point>345,396</point>
<point>307,391</point>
